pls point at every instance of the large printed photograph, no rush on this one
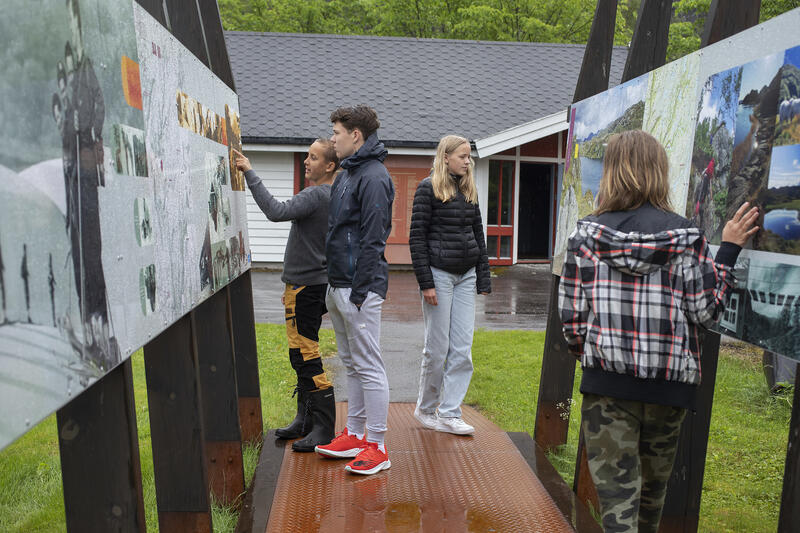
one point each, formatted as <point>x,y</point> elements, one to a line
<point>731,137</point>
<point>592,122</point>
<point>106,236</point>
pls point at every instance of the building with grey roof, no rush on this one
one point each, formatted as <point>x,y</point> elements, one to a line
<point>510,99</point>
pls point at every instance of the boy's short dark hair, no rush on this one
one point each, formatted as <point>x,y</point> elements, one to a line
<point>360,117</point>
<point>330,153</point>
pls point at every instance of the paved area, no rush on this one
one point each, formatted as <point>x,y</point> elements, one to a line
<point>519,300</point>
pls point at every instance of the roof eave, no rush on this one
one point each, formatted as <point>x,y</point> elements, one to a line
<point>524,133</point>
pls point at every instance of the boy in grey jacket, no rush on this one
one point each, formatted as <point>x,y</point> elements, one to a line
<point>306,278</point>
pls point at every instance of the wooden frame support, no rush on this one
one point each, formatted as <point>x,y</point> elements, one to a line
<point>211,327</point>
<point>789,518</point>
<point>728,17</point>
<point>685,487</point>
<point>99,446</point>
<point>596,65</point>
<point>556,382</point>
<point>558,367</point>
<point>176,429</point>
<point>246,353</point>
<point>650,39</point>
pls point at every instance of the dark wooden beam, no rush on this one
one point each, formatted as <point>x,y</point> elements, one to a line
<point>156,10</point>
<point>99,446</point>
<point>558,367</point>
<point>729,17</point>
<point>246,349</point>
<point>685,486</point>
<point>556,382</point>
<point>650,38</point>
<point>789,518</point>
<point>183,20</point>
<point>215,41</point>
<point>176,429</point>
<point>596,65</point>
<point>211,326</point>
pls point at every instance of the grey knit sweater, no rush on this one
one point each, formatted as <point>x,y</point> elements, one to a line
<point>304,260</point>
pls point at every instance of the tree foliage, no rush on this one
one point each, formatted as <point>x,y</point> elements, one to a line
<point>556,21</point>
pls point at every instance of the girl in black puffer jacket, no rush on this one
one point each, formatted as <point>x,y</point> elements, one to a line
<point>448,250</point>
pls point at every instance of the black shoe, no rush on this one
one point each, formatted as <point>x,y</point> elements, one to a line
<point>301,425</point>
<point>322,412</point>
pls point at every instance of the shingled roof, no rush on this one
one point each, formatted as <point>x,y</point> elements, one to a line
<point>422,89</point>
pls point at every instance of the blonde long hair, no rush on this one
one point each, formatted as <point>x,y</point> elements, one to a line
<point>635,171</point>
<point>444,187</point>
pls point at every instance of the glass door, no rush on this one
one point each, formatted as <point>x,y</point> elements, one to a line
<point>500,212</point>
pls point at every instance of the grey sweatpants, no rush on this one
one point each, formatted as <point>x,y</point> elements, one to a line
<point>358,334</point>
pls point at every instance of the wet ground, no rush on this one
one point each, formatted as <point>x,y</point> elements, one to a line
<point>519,300</point>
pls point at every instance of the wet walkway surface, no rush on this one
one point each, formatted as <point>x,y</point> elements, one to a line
<point>437,482</point>
<point>519,300</point>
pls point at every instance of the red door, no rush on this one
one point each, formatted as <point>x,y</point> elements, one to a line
<point>500,212</point>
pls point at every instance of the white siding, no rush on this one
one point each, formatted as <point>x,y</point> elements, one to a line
<point>268,239</point>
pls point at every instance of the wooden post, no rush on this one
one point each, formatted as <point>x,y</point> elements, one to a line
<point>211,326</point>
<point>244,342</point>
<point>648,51</point>
<point>99,447</point>
<point>556,382</point>
<point>558,367</point>
<point>596,65</point>
<point>215,39</point>
<point>789,518</point>
<point>685,486</point>
<point>728,17</point>
<point>176,429</point>
<point>650,38</point>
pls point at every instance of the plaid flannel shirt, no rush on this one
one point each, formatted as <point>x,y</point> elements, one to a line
<point>631,303</point>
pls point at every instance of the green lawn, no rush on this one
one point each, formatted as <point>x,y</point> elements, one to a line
<point>747,448</point>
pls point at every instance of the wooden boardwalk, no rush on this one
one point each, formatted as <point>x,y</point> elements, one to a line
<point>438,482</point>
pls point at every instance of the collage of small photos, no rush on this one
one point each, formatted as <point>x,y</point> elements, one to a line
<point>220,259</point>
<point>747,148</point>
<point>227,131</point>
<point>739,132</point>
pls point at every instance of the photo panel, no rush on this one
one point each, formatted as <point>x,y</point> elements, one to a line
<point>221,264</point>
<point>787,129</point>
<point>593,121</point>
<point>129,153</point>
<point>147,289</point>
<point>142,222</point>
<point>711,152</point>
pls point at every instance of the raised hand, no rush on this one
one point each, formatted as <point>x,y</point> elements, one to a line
<point>242,163</point>
<point>742,226</point>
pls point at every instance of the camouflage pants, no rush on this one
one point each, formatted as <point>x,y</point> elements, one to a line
<point>631,449</point>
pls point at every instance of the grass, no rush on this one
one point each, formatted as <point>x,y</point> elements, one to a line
<point>747,438</point>
<point>31,494</point>
<point>743,476</point>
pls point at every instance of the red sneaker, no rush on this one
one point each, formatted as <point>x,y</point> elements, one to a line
<point>344,445</point>
<point>370,461</point>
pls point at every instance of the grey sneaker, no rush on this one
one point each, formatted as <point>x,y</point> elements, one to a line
<point>454,425</point>
<point>426,419</point>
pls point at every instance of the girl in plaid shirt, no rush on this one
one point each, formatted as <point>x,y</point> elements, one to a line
<point>638,283</point>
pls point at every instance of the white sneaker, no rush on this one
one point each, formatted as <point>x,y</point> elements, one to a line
<point>426,419</point>
<point>454,425</point>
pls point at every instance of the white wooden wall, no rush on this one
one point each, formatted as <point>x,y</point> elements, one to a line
<point>268,239</point>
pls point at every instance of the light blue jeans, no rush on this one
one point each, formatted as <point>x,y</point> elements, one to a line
<point>447,355</point>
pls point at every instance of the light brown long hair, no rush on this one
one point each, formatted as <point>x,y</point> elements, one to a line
<point>635,171</point>
<point>444,187</point>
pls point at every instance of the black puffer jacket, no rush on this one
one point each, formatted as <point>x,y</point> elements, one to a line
<point>447,235</point>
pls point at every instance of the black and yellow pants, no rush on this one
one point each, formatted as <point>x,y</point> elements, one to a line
<point>305,305</point>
